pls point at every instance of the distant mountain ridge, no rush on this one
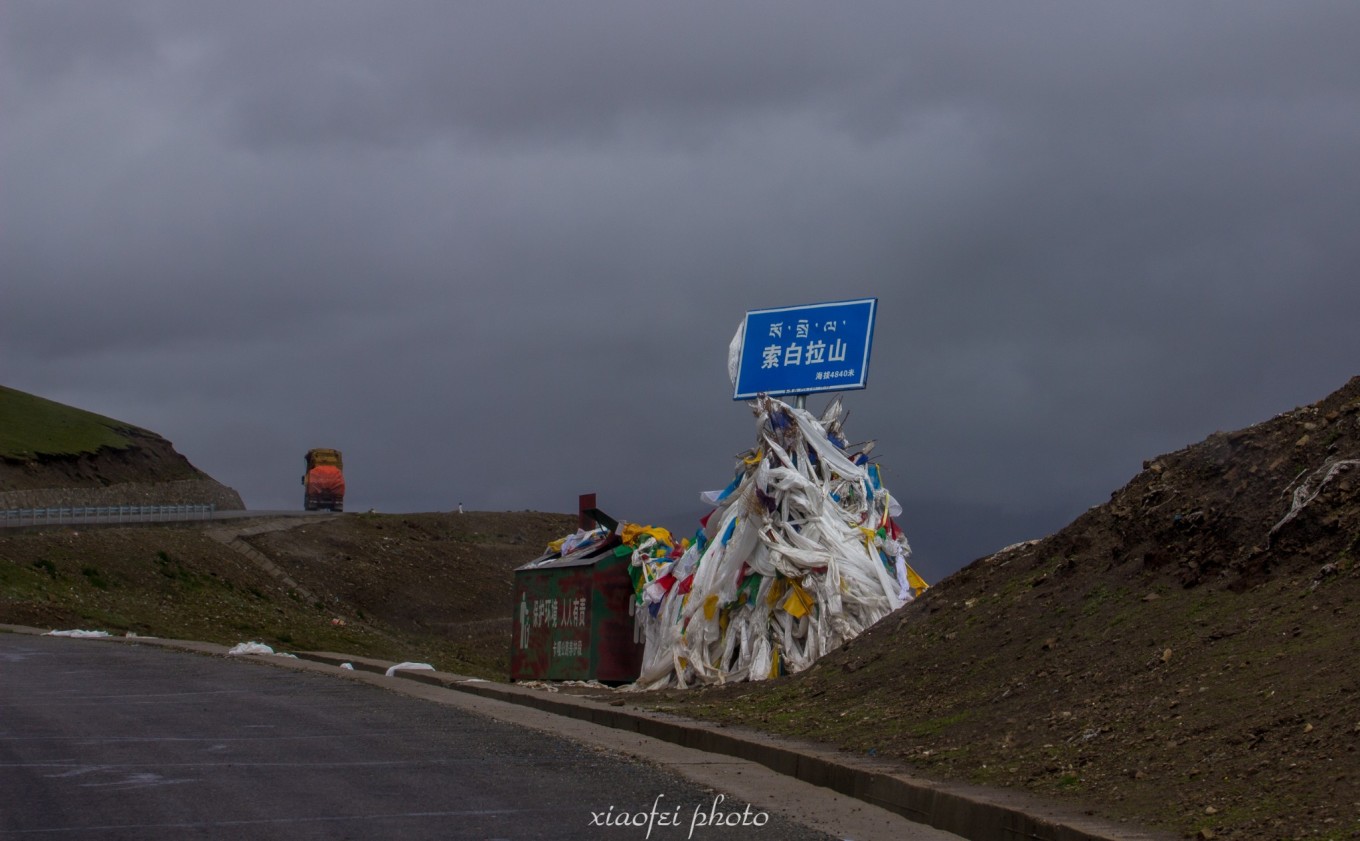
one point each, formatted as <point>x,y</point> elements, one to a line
<point>52,454</point>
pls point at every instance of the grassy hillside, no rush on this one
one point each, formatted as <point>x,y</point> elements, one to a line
<point>57,455</point>
<point>433,588</point>
<point>34,426</point>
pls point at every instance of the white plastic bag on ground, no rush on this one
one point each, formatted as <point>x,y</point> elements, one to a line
<point>408,667</point>
<point>250,648</point>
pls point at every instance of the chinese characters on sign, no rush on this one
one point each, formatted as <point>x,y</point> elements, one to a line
<point>554,613</point>
<point>800,350</point>
<point>803,350</point>
<point>568,648</point>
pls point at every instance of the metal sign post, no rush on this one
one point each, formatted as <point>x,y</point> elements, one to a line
<point>804,350</point>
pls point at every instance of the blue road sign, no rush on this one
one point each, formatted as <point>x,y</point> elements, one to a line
<point>803,350</point>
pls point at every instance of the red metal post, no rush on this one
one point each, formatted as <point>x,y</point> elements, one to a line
<point>583,520</point>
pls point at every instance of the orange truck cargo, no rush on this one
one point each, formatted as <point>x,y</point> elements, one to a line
<point>324,481</point>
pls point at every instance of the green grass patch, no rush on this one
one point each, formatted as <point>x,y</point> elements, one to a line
<point>171,567</point>
<point>108,620</point>
<point>93,576</point>
<point>936,726</point>
<point>1099,597</point>
<point>36,426</point>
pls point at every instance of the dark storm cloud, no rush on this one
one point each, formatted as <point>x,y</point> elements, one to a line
<point>496,251</point>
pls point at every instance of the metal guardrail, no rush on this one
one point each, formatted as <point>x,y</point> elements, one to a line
<point>15,517</point>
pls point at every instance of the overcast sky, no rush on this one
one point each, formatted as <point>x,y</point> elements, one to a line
<point>495,251</point>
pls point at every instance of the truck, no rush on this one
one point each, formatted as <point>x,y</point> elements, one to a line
<point>324,481</point>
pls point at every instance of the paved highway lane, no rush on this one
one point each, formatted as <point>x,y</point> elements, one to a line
<point>102,740</point>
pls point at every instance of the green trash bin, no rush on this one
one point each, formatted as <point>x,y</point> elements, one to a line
<point>572,615</point>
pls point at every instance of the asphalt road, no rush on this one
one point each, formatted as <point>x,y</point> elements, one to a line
<point>112,741</point>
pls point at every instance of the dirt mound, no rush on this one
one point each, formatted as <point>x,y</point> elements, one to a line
<point>1274,499</point>
<point>447,575</point>
<point>1178,657</point>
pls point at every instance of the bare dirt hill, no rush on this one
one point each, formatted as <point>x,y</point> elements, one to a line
<point>1182,657</point>
<point>447,576</point>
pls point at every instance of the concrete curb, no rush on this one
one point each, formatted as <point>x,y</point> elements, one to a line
<point>973,812</point>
